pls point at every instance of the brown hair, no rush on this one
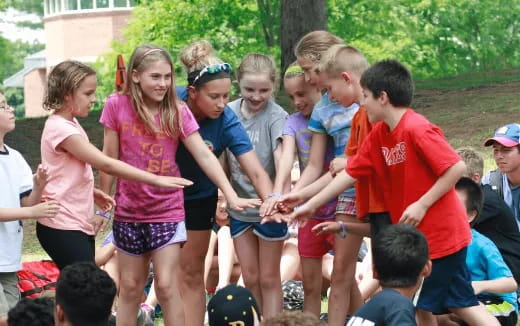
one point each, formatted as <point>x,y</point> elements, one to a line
<point>314,44</point>
<point>257,63</point>
<point>290,318</point>
<point>198,55</point>
<point>63,80</point>
<point>473,159</point>
<point>169,111</point>
<point>343,58</point>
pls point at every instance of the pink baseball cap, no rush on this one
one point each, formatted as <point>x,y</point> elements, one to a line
<point>508,136</point>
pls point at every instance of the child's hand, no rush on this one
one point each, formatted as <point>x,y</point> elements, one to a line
<point>413,214</point>
<point>103,201</point>
<point>302,215</point>
<point>336,165</point>
<point>98,223</point>
<point>40,178</point>
<point>269,206</point>
<point>287,202</point>
<point>326,228</point>
<point>172,182</point>
<point>276,217</point>
<point>47,209</point>
<point>239,204</point>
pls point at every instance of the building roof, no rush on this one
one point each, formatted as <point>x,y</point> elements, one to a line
<point>31,62</point>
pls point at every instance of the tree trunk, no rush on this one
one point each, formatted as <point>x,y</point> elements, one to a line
<point>297,18</point>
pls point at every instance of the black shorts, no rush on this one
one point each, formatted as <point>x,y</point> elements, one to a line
<point>378,221</point>
<point>200,213</point>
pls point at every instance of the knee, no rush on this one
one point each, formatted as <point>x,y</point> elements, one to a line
<point>163,289</point>
<point>270,280</point>
<point>130,288</point>
<point>251,278</point>
<point>193,271</point>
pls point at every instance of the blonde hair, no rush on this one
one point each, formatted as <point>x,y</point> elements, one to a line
<point>257,63</point>
<point>473,160</point>
<point>63,80</point>
<point>314,44</point>
<point>343,58</point>
<point>293,70</point>
<point>169,111</point>
<point>198,55</point>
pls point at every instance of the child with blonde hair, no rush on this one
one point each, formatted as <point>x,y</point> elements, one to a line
<point>68,156</point>
<point>207,95</point>
<point>259,246</point>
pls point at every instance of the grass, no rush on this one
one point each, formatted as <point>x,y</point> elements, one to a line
<point>467,107</point>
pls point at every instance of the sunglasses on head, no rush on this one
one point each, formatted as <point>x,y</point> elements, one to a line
<point>213,69</point>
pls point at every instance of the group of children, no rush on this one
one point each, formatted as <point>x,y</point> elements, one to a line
<point>367,161</point>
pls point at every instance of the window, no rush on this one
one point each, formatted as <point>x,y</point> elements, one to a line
<point>71,4</point>
<point>120,3</point>
<point>87,4</point>
<point>101,3</point>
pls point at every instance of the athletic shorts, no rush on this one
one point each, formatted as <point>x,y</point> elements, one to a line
<point>448,286</point>
<point>140,238</point>
<point>311,245</point>
<point>200,213</point>
<point>346,205</point>
<point>270,231</point>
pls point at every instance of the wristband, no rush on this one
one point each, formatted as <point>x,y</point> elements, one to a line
<point>274,194</point>
<point>106,215</point>
<point>343,232</point>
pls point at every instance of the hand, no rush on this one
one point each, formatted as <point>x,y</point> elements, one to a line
<point>336,165</point>
<point>98,223</point>
<point>302,215</point>
<point>47,209</point>
<point>238,204</point>
<point>269,206</point>
<point>276,217</point>
<point>103,201</point>
<point>413,214</point>
<point>40,178</point>
<point>171,182</point>
<point>326,228</point>
<point>287,202</point>
<point>477,287</point>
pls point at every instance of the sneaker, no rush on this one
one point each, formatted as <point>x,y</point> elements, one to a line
<point>145,315</point>
<point>112,319</point>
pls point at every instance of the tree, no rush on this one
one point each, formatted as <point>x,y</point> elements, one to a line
<point>298,17</point>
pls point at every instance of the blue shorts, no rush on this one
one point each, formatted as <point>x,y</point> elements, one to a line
<point>270,231</point>
<point>448,286</point>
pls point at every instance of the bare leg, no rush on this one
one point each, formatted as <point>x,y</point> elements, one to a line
<point>476,315</point>
<point>290,261</point>
<point>270,253</point>
<point>192,277</point>
<point>133,276</point>
<point>226,256</point>
<point>312,279</point>
<point>246,246</point>
<point>208,261</point>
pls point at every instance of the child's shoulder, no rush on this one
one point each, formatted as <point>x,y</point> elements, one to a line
<point>14,153</point>
<point>276,108</point>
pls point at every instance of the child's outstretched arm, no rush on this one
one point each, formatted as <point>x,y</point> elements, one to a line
<point>47,209</point>
<point>341,182</point>
<point>414,213</point>
<point>211,166</point>
<point>283,171</point>
<point>86,152</point>
<point>314,167</point>
<point>497,286</point>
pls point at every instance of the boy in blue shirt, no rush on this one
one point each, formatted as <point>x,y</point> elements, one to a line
<point>400,254</point>
<point>491,279</point>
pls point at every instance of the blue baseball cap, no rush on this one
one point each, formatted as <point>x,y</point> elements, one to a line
<point>508,136</point>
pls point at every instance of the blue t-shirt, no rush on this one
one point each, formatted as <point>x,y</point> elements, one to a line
<point>221,133</point>
<point>387,308</point>
<point>485,263</point>
<point>334,120</point>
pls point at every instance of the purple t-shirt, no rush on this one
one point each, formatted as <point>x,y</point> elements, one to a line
<point>297,126</point>
<point>154,153</point>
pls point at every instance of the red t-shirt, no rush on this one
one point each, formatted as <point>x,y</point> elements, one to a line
<point>407,162</point>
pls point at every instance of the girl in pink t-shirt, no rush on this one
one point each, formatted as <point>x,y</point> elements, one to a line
<point>68,156</point>
<point>143,127</point>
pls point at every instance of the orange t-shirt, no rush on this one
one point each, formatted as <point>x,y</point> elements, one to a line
<point>369,198</point>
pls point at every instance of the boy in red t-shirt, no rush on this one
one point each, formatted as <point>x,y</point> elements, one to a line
<point>416,170</point>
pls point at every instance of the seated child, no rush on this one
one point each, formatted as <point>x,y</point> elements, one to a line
<point>289,318</point>
<point>32,312</point>
<point>233,305</point>
<point>84,295</point>
<point>491,279</point>
<point>400,255</point>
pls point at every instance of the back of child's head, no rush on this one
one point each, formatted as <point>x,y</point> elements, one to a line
<point>400,253</point>
<point>63,80</point>
<point>142,58</point>
<point>473,160</point>
<point>196,57</point>
<point>32,312</point>
<point>85,293</point>
<point>474,197</point>
<point>341,58</point>
<point>313,45</point>
<point>257,63</point>
<point>391,77</point>
<point>233,305</point>
<point>293,318</point>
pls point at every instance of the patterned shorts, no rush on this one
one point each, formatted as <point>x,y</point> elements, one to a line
<point>140,238</point>
<point>346,205</point>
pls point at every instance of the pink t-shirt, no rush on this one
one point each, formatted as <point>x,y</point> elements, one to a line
<point>71,181</point>
<point>153,153</point>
